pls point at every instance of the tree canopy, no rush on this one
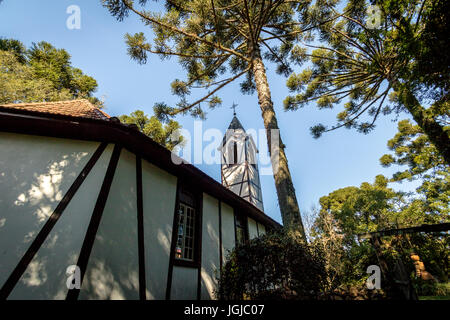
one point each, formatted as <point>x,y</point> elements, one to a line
<point>378,67</point>
<point>349,211</point>
<point>218,42</point>
<point>166,135</point>
<point>18,83</point>
<point>41,73</point>
<point>412,149</point>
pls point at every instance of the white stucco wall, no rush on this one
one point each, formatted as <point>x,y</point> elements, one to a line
<point>35,174</point>
<point>228,236</point>
<point>184,283</point>
<point>45,277</point>
<point>159,195</point>
<point>210,247</point>
<point>113,267</point>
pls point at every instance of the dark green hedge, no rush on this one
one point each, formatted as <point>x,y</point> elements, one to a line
<point>275,266</point>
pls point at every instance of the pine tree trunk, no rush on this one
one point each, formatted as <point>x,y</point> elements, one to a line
<point>287,199</point>
<point>435,132</point>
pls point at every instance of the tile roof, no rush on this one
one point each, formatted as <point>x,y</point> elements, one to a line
<point>75,108</point>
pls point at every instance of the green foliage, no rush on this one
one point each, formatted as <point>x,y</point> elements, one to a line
<point>430,71</point>
<point>412,149</point>
<point>370,207</point>
<point>18,83</point>
<point>166,135</point>
<point>278,265</point>
<point>41,73</point>
<point>16,47</point>
<point>216,42</point>
<point>427,288</point>
<point>349,211</point>
<point>54,64</point>
<point>380,70</point>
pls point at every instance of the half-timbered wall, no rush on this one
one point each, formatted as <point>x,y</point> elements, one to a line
<point>99,206</point>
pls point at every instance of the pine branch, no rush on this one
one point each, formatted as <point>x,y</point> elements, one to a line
<point>358,115</point>
<point>183,55</point>
<point>179,31</point>
<point>229,80</point>
<point>276,56</point>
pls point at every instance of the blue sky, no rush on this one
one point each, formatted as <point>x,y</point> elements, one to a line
<point>338,159</point>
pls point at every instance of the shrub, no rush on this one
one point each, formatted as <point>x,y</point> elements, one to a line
<point>431,288</point>
<point>278,265</point>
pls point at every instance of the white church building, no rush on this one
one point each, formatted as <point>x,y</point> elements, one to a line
<point>81,192</point>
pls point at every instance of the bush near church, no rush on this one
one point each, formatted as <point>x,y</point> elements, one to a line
<point>278,265</point>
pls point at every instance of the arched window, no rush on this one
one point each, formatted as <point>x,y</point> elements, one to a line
<point>232,157</point>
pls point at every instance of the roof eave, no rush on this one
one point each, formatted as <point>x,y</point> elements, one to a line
<point>35,123</point>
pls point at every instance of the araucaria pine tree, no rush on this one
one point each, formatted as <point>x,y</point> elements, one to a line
<point>218,42</point>
<point>379,59</point>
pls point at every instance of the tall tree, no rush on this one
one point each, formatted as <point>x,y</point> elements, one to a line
<point>54,64</point>
<point>45,64</point>
<point>166,135</point>
<point>412,149</point>
<point>371,207</point>
<point>369,54</point>
<point>19,84</point>
<point>16,47</point>
<point>217,42</point>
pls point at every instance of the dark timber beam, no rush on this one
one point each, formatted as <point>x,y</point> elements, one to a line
<point>140,231</point>
<point>59,126</point>
<point>48,226</point>
<point>88,243</point>
<point>423,228</point>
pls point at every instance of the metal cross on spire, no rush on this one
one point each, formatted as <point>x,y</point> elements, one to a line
<point>234,108</point>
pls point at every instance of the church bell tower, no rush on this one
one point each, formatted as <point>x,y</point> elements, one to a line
<point>239,167</point>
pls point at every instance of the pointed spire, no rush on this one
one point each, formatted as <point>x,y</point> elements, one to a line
<point>235,123</point>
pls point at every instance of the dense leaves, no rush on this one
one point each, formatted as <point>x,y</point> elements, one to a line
<point>349,211</point>
<point>278,265</point>
<point>218,42</point>
<point>215,41</point>
<point>166,135</point>
<point>41,73</point>
<point>18,83</point>
<point>378,64</point>
<point>412,149</point>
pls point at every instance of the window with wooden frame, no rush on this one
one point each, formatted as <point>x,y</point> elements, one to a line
<point>187,227</point>
<point>241,229</point>
<point>186,233</point>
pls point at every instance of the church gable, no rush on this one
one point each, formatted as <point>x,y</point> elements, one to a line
<point>119,191</point>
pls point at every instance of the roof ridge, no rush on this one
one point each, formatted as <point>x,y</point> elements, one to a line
<point>46,102</point>
<point>103,112</point>
<point>75,107</point>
